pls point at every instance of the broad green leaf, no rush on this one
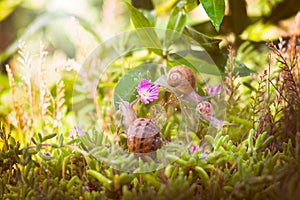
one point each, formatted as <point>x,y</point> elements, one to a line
<point>200,63</point>
<point>145,31</point>
<point>126,87</point>
<point>177,20</point>
<point>206,28</point>
<point>176,23</point>
<point>150,16</point>
<point>219,58</point>
<point>215,10</point>
<point>208,43</point>
<point>203,62</point>
<point>241,69</point>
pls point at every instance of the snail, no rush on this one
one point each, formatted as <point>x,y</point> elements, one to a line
<point>143,136</point>
<point>204,110</point>
<point>181,78</point>
<point>181,81</point>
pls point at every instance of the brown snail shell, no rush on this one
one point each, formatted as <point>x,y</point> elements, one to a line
<point>204,108</point>
<point>143,136</point>
<point>182,78</point>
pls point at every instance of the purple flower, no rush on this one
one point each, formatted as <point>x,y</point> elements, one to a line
<point>74,132</point>
<point>193,149</point>
<point>146,91</point>
<point>298,133</point>
<point>180,142</point>
<point>79,131</point>
<point>213,91</point>
<point>47,154</point>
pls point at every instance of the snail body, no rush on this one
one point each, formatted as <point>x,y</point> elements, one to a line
<point>143,136</point>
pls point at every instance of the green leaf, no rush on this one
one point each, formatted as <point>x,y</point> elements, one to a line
<point>100,177</point>
<point>208,43</point>
<point>207,28</point>
<point>40,137</point>
<point>259,141</point>
<point>126,178</point>
<point>177,20</point>
<point>240,120</point>
<point>199,42</point>
<point>145,30</point>
<point>199,63</point>
<point>250,140</point>
<point>241,68</point>
<point>126,87</point>
<point>75,179</point>
<point>203,175</point>
<point>176,23</point>
<point>209,139</point>
<point>47,137</point>
<point>215,10</point>
<point>34,141</point>
<point>153,181</point>
<point>191,5</point>
<point>267,141</point>
<point>61,140</point>
<point>44,157</point>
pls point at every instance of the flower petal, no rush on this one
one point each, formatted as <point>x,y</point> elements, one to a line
<point>147,92</point>
<point>213,91</point>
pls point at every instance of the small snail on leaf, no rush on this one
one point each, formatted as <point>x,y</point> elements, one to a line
<point>180,80</point>
<point>143,136</point>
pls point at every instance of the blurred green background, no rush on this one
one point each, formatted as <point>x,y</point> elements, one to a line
<point>74,28</point>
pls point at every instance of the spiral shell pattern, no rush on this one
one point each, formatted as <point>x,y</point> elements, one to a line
<point>182,78</point>
<point>204,108</point>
